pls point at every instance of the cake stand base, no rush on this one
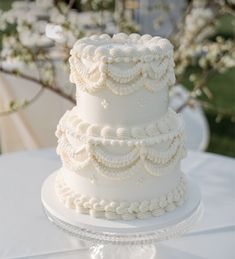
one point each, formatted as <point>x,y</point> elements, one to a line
<point>124,252</point>
<point>123,239</point>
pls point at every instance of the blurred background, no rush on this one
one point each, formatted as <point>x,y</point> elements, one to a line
<point>36,36</point>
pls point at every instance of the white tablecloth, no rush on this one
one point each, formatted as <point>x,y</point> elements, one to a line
<point>25,232</point>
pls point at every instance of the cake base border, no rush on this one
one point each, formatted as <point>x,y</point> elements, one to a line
<point>134,232</point>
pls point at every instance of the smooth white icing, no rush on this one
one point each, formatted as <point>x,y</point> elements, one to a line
<point>143,186</point>
<point>122,111</point>
<point>72,191</point>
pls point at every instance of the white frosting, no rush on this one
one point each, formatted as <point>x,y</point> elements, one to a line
<point>121,146</point>
<point>123,80</point>
<point>116,207</point>
<point>123,63</point>
<point>131,147</point>
<point>91,183</point>
<point>122,111</point>
<point>121,166</point>
<point>163,129</point>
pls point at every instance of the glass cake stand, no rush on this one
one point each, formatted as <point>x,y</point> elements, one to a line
<point>134,239</point>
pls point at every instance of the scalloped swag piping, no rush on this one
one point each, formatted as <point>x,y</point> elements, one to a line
<point>77,152</point>
<point>122,166</point>
<point>152,65</point>
<point>107,77</point>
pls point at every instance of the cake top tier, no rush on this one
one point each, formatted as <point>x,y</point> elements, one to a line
<point>121,46</point>
<point>123,63</point>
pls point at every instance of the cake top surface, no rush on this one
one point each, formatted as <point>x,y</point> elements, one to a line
<point>123,63</point>
<point>133,46</point>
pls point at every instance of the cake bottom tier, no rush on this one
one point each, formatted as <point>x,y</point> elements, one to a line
<point>140,202</point>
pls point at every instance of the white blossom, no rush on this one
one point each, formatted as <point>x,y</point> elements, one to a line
<point>55,32</point>
<point>3,24</point>
<point>24,5</point>
<point>45,4</point>
<point>231,2</point>
<point>57,17</point>
<point>198,18</point>
<point>199,3</point>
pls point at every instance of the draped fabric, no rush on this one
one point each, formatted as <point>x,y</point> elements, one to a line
<point>34,126</point>
<point>15,131</point>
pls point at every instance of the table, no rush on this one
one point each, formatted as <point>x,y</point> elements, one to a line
<point>25,232</point>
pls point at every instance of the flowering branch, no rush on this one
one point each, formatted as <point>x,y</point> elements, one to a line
<point>41,83</point>
<point>221,112</point>
<point>176,25</point>
<point>15,108</point>
<point>200,84</point>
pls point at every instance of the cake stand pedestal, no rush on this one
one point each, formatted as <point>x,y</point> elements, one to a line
<point>134,239</point>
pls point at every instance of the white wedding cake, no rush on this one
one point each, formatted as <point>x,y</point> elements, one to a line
<point>121,145</point>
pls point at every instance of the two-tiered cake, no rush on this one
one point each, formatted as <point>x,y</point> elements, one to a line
<point>121,145</point>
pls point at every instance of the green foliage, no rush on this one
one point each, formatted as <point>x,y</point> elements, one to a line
<point>226,26</point>
<point>97,5</point>
<point>5,4</point>
<point>222,129</point>
<point>222,136</point>
<point>222,87</point>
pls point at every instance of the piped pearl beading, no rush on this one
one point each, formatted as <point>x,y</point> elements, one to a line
<point>81,144</point>
<point>121,166</point>
<point>121,46</point>
<point>150,61</point>
<point>120,210</point>
<point>164,129</point>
